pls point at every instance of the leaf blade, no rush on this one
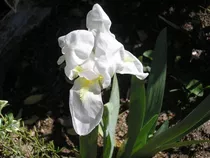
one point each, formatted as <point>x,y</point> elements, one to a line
<point>197,116</point>
<point>111,111</point>
<point>156,83</point>
<point>136,116</point>
<point>180,144</point>
<point>88,144</point>
<point>143,134</point>
<point>163,127</point>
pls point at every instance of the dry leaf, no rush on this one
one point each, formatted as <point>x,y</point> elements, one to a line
<point>33,99</point>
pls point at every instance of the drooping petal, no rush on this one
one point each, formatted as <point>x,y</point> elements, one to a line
<point>131,65</point>
<point>98,20</point>
<point>76,47</point>
<point>86,106</point>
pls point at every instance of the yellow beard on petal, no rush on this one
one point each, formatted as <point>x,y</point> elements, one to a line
<point>86,84</point>
<point>100,80</point>
<point>82,93</point>
<point>78,69</point>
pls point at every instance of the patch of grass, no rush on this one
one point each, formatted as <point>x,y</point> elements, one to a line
<point>17,141</point>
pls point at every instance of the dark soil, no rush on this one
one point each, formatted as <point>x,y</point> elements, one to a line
<point>136,24</point>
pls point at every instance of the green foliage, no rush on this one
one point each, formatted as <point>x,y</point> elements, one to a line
<point>163,128</point>
<point>156,83</point>
<point>165,139</point>
<point>16,141</point>
<point>148,54</point>
<point>137,113</point>
<point>142,140</point>
<point>110,116</point>
<point>3,103</point>
<point>195,87</point>
<point>143,136</point>
<point>88,144</point>
<point>150,103</point>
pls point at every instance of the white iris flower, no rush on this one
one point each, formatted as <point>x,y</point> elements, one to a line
<point>94,56</point>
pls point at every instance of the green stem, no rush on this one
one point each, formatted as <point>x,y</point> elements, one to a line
<point>88,144</point>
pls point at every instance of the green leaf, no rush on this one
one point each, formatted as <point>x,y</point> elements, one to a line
<point>142,137</point>
<point>169,23</point>
<point>15,126</point>
<point>115,96</point>
<point>3,103</point>
<point>148,54</point>
<point>100,130</point>
<point>207,87</point>
<point>157,77</point>
<point>195,87</point>
<point>173,145</point>
<point>121,149</point>
<point>206,118</point>
<point>10,117</point>
<point>136,116</point>
<point>111,111</point>
<point>88,144</point>
<point>180,144</point>
<point>163,127</point>
<point>200,114</point>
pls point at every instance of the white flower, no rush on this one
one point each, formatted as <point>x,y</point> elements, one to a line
<point>94,56</point>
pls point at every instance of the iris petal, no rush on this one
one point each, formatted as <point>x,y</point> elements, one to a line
<point>131,65</point>
<point>76,47</point>
<point>98,20</point>
<point>86,106</point>
<point>107,54</point>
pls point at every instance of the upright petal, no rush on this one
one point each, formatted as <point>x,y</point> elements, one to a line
<point>98,20</point>
<point>107,45</point>
<point>76,47</point>
<point>107,54</point>
<point>88,71</point>
<point>106,69</point>
<point>86,105</point>
<point>131,65</point>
